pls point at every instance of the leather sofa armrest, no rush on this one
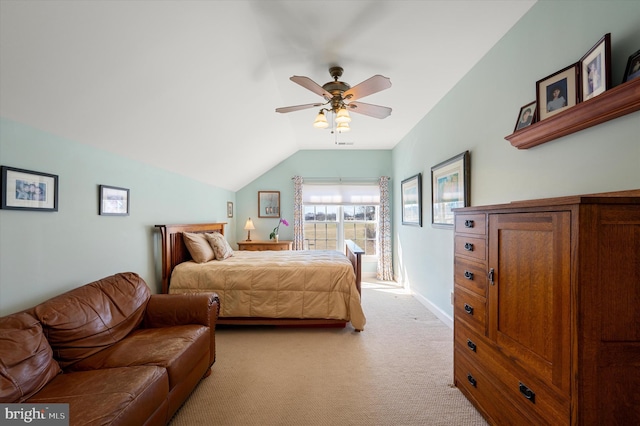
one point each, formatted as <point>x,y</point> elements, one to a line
<point>166,310</point>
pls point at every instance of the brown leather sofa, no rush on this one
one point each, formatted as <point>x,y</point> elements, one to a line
<point>115,353</point>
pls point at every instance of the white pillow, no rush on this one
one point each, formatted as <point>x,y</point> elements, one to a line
<point>198,247</point>
<point>220,246</point>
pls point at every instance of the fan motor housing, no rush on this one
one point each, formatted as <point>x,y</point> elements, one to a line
<point>336,87</point>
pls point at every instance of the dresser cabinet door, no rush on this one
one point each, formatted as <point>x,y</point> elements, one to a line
<point>529,293</point>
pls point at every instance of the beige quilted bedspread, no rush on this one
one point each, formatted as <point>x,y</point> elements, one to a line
<point>277,284</point>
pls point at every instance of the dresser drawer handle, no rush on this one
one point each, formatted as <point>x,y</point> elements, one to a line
<point>491,276</point>
<point>469,223</point>
<point>471,380</point>
<point>528,393</point>
<point>468,309</point>
<point>471,345</point>
<point>468,247</point>
<point>468,275</point>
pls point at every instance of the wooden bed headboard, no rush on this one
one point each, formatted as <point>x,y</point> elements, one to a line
<point>174,251</point>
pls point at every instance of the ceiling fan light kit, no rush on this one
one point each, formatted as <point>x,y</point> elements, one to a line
<point>339,99</point>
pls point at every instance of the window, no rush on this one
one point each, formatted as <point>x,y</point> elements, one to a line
<point>326,227</point>
<point>335,212</point>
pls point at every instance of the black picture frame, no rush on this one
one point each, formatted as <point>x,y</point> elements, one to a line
<point>411,192</point>
<point>28,190</point>
<point>269,204</point>
<point>595,69</point>
<point>526,116</point>
<point>450,188</point>
<point>566,81</point>
<point>114,201</point>
<point>633,67</point>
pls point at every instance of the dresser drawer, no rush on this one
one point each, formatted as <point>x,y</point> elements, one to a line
<point>471,224</point>
<point>529,395</point>
<point>469,341</point>
<point>470,275</point>
<point>481,391</point>
<point>470,308</point>
<point>470,246</point>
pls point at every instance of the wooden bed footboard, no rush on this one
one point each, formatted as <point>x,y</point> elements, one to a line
<point>354,254</point>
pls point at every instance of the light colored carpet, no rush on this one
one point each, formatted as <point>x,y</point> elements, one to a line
<point>398,371</point>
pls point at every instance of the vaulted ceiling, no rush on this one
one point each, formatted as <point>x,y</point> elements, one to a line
<point>192,86</point>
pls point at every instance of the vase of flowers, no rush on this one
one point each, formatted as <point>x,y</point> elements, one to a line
<point>274,233</point>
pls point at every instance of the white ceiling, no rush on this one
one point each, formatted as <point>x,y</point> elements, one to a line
<point>178,84</point>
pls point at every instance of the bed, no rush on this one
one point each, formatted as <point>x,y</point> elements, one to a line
<point>312,288</point>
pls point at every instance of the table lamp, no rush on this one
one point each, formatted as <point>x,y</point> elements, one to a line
<point>249,226</point>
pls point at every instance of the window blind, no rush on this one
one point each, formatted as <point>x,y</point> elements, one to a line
<point>340,194</point>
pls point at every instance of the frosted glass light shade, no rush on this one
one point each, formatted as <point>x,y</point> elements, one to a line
<point>343,116</point>
<point>321,121</point>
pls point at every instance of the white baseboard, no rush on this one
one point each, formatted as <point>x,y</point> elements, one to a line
<point>442,316</point>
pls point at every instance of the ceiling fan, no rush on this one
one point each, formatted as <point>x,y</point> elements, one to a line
<point>340,98</point>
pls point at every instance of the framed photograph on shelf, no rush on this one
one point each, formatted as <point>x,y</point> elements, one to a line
<point>114,201</point>
<point>229,209</point>
<point>633,67</point>
<point>269,204</point>
<point>595,69</point>
<point>29,190</point>
<point>450,188</point>
<point>412,200</point>
<point>557,92</point>
<point>526,117</point>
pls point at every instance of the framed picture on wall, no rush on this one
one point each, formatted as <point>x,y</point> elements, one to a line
<point>269,204</point>
<point>29,190</point>
<point>595,69</point>
<point>229,209</point>
<point>114,201</point>
<point>450,188</point>
<point>412,200</point>
<point>557,92</point>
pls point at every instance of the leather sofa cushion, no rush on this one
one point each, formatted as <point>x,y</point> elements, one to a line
<point>26,359</point>
<point>85,320</point>
<point>178,349</point>
<point>116,396</point>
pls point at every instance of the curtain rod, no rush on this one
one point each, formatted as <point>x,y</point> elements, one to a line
<point>352,180</point>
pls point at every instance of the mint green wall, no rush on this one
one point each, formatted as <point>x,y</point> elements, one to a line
<point>43,254</point>
<point>308,164</point>
<point>483,108</point>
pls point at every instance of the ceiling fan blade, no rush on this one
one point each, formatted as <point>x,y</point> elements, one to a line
<point>307,83</point>
<point>298,107</point>
<point>368,87</point>
<point>376,111</point>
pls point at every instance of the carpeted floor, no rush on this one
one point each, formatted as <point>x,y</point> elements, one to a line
<point>398,371</point>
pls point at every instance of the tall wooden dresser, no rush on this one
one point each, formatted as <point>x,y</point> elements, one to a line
<point>547,310</point>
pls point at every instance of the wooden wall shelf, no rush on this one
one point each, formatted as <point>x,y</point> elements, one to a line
<point>621,100</point>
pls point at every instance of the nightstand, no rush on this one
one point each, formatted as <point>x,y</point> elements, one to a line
<point>264,245</point>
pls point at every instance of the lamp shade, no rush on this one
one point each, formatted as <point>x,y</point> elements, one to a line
<point>343,127</point>
<point>249,225</point>
<point>343,116</point>
<point>321,121</point>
